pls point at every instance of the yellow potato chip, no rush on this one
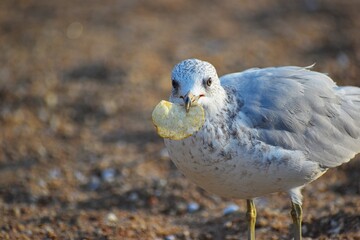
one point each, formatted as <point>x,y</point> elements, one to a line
<point>172,121</point>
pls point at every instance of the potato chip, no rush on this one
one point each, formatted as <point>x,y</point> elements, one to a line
<point>172,121</point>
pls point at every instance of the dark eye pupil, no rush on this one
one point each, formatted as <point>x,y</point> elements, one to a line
<point>209,82</point>
<point>175,84</point>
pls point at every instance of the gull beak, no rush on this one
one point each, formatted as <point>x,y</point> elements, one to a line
<point>190,99</point>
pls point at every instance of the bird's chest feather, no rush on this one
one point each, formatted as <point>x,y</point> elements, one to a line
<point>205,148</point>
<point>226,160</point>
<point>208,154</point>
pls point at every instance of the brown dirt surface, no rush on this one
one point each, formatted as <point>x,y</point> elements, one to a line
<point>79,157</point>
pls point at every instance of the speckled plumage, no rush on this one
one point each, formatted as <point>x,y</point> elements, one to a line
<point>266,130</point>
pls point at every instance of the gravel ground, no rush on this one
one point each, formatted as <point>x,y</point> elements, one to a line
<point>79,157</point>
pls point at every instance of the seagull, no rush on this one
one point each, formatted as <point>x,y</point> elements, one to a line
<point>266,130</point>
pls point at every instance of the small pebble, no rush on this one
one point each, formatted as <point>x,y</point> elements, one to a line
<point>54,173</point>
<point>193,207</point>
<point>125,172</point>
<point>111,218</point>
<point>162,182</point>
<point>80,177</point>
<point>231,208</point>
<point>304,229</point>
<point>108,175</point>
<point>49,229</point>
<point>170,237</point>
<point>228,224</point>
<point>42,183</point>
<point>181,207</point>
<point>133,197</point>
<point>336,227</point>
<point>164,154</point>
<point>158,192</point>
<point>94,183</point>
<point>186,234</point>
<point>17,212</point>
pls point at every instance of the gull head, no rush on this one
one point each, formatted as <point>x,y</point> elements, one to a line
<point>196,82</point>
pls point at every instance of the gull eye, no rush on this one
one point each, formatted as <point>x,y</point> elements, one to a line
<point>174,84</point>
<point>209,82</point>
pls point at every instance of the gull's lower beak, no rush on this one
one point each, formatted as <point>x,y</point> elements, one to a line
<point>189,99</point>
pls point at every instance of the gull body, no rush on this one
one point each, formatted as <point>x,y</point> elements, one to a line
<point>266,130</point>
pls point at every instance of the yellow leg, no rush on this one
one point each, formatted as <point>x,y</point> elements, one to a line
<point>251,217</point>
<point>296,214</point>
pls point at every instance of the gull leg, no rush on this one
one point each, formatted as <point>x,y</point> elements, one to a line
<point>251,217</point>
<point>296,214</point>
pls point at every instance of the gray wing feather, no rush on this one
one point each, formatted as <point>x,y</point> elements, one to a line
<point>299,109</point>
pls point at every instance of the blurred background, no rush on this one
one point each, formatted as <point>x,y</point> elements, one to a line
<point>79,157</point>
